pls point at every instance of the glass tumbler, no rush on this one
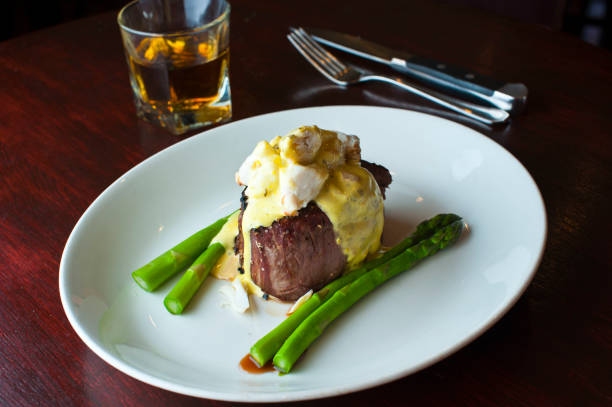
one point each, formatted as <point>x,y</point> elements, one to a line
<point>178,58</point>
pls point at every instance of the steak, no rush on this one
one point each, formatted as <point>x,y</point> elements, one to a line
<point>380,173</point>
<point>298,253</point>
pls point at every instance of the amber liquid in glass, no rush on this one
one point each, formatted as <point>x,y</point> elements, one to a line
<point>180,89</point>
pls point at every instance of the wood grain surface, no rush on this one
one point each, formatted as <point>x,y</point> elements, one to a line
<point>68,129</point>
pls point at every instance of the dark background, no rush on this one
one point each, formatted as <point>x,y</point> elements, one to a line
<point>586,19</point>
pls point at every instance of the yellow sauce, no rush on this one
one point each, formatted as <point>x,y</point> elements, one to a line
<point>352,201</point>
<point>227,266</point>
<point>349,195</point>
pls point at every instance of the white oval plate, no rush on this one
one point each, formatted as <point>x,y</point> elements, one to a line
<point>409,323</point>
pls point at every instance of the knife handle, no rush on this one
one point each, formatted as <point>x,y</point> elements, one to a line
<point>448,76</point>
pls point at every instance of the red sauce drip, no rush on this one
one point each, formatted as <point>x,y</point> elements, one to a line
<point>248,365</point>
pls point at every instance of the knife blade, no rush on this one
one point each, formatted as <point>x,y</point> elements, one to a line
<point>477,87</point>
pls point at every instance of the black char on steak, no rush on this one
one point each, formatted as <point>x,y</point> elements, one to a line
<point>298,253</point>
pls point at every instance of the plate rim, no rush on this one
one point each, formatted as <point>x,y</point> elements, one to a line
<point>298,395</point>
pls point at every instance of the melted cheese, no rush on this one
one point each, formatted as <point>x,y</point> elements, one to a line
<point>312,164</point>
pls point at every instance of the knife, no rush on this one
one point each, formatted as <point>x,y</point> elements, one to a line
<point>511,97</point>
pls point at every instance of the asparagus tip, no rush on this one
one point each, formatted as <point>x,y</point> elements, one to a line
<point>281,365</point>
<point>142,282</point>
<point>173,306</point>
<point>255,357</point>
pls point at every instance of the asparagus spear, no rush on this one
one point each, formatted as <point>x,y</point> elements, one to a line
<point>183,291</point>
<point>315,324</point>
<point>267,346</point>
<point>153,274</point>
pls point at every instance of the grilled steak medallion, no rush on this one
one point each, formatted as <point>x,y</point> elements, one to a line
<point>298,253</point>
<point>380,173</point>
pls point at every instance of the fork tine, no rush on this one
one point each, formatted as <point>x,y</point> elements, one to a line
<point>325,56</point>
<point>306,54</point>
<point>319,48</point>
<point>322,62</point>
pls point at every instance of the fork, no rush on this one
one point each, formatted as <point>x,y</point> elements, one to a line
<point>344,75</point>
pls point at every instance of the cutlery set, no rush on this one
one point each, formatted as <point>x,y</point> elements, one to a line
<point>490,101</point>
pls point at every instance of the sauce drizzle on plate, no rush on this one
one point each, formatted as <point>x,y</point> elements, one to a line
<point>248,365</point>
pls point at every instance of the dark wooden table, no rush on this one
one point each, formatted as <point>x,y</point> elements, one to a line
<point>68,129</point>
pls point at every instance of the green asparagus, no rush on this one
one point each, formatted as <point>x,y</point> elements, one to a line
<point>315,324</point>
<point>183,291</point>
<point>266,347</point>
<point>155,273</point>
